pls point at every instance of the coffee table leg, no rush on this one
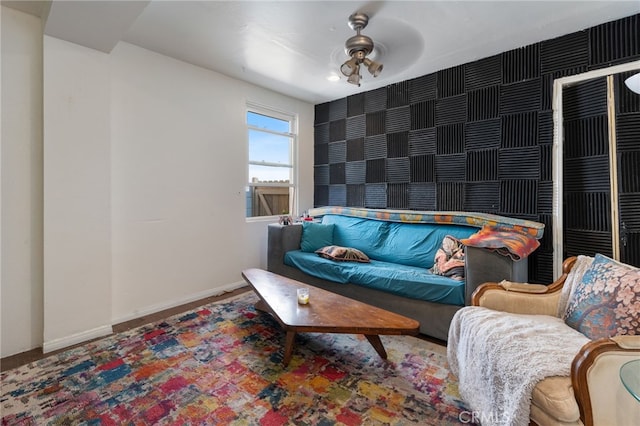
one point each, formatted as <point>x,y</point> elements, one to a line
<point>261,306</point>
<point>288,347</point>
<point>375,341</point>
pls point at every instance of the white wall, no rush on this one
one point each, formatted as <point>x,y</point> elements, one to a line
<point>179,153</point>
<point>21,282</point>
<point>144,169</point>
<point>77,187</point>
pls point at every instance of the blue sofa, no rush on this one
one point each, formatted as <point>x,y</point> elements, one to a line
<point>401,246</point>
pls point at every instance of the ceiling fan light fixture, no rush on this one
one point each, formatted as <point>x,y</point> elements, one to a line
<point>358,47</point>
<point>348,67</point>
<point>355,77</point>
<point>375,68</point>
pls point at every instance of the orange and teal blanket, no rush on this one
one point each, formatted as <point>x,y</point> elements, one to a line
<point>506,242</point>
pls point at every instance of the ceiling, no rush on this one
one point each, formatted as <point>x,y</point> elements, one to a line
<point>292,47</point>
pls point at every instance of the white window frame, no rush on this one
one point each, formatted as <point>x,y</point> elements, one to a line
<point>292,118</point>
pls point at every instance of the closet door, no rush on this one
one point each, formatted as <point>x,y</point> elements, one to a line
<point>587,226</point>
<point>627,136</point>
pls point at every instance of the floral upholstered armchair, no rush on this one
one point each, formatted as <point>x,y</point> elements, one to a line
<point>551,355</point>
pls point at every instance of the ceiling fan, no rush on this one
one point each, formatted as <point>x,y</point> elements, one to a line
<point>358,47</point>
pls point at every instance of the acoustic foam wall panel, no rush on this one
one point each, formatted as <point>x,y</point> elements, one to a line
<point>398,195</point>
<point>375,100</point>
<point>356,172</point>
<point>629,176</point>
<point>450,168</point>
<point>336,174</point>
<point>422,196</point>
<point>518,197</point>
<point>423,114</point>
<point>423,88</point>
<point>584,100</point>
<point>375,123</point>
<point>356,127</point>
<point>451,81</point>
<point>375,147</point>
<point>398,94</point>
<point>422,141</point>
<point>519,130</point>
<point>615,41</point>
<point>577,242</point>
<point>450,139</point>
<point>355,105</point>
<point>337,195</point>
<point>422,168</point>
<point>398,144</point>
<point>482,196</point>
<point>451,110</point>
<point>521,64</point>
<point>520,97</point>
<point>482,165</point>
<point>321,133</point>
<point>564,52</point>
<point>321,174</point>
<point>629,207</point>
<point>355,149</point>
<point>337,130</point>
<point>376,171</point>
<point>397,170</point>
<point>375,195</point>
<point>483,73</point>
<point>450,196</point>
<point>337,152</point>
<point>321,195</point>
<point>398,119</point>
<point>482,134</point>
<point>338,109</point>
<point>483,104</point>
<point>321,153</point>
<point>519,163</point>
<point>628,131</point>
<point>355,195</point>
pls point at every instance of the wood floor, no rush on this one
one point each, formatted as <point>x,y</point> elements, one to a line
<point>35,354</point>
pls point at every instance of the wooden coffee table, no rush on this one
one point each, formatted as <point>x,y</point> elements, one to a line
<point>326,312</point>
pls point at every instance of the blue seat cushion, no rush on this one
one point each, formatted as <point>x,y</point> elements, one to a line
<point>403,280</point>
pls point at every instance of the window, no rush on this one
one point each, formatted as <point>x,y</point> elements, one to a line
<point>272,141</point>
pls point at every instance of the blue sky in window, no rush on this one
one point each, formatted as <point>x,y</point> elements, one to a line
<point>268,147</point>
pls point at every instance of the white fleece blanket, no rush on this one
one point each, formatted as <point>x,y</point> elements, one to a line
<point>499,358</point>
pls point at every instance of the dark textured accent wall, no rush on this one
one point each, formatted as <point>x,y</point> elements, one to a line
<point>474,137</point>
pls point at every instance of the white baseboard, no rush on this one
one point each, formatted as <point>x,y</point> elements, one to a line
<point>74,339</point>
<point>84,336</point>
<point>218,291</point>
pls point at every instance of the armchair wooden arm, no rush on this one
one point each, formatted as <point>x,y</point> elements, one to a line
<point>517,299</point>
<point>595,377</point>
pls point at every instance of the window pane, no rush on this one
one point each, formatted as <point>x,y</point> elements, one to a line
<point>267,201</point>
<point>269,148</point>
<point>269,123</point>
<point>269,174</point>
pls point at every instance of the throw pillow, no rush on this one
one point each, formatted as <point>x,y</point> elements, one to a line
<point>345,254</point>
<point>449,260</point>
<point>315,235</point>
<point>606,302</point>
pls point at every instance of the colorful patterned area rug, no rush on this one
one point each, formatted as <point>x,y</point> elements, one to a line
<point>221,364</point>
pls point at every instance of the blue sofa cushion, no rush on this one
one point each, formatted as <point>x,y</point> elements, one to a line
<point>315,236</point>
<point>411,244</point>
<point>408,281</point>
